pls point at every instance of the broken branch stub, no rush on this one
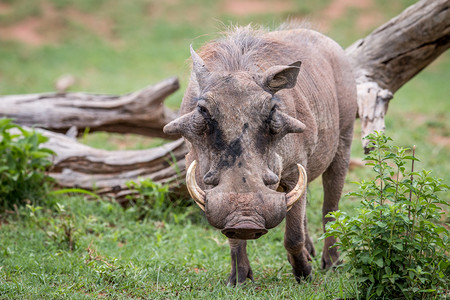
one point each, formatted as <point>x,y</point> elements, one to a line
<point>373,103</point>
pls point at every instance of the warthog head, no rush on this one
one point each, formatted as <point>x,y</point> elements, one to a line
<point>233,132</point>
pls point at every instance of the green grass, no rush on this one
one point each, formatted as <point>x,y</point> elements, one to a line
<point>151,259</point>
<point>115,141</point>
<point>157,260</point>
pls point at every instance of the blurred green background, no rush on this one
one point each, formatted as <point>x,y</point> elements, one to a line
<point>119,46</point>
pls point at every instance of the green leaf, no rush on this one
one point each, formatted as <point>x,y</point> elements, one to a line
<point>428,291</point>
<point>398,246</point>
<point>410,157</point>
<point>76,190</point>
<point>379,290</point>
<point>379,262</point>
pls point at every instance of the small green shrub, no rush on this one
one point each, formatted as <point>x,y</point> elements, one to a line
<point>22,165</point>
<point>152,202</point>
<point>394,248</point>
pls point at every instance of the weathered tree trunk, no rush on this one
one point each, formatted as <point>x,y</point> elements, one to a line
<point>383,62</point>
<point>141,112</point>
<point>106,172</point>
<point>394,53</point>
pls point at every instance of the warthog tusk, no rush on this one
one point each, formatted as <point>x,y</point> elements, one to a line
<point>194,190</point>
<point>299,189</point>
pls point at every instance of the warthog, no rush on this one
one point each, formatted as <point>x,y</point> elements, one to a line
<point>265,113</point>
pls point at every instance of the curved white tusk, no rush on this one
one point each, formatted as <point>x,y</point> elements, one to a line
<point>194,190</point>
<point>299,189</point>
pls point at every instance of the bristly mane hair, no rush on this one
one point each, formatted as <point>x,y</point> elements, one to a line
<point>235,50</point>
<point>240,48</point>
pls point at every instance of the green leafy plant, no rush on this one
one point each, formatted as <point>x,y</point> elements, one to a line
<point>395,247</point>
<point>59,226</point>
<point>22,165</point>
<point>151,201</point>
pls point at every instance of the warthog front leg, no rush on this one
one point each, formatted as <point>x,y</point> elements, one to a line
<point>240,266</point>
<point>333,182</point>
<point>296,240</point>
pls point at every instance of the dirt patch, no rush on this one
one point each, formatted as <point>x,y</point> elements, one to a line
<point>254,7</point>
<point>338,8</point>
<point>439,137</point>
<point>173,12</point>
<point>443,141</point>
<point>419,118</point>
<point>25,31</point>
<point>52,24</point>
<point>5,8</point>
<point>367,18</point>
<point>438,130</point>
<point>102,27</point>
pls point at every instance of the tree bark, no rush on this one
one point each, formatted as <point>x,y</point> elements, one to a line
<point>141,112</point>
<point>394,53</point>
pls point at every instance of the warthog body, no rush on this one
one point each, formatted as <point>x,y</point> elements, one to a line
<point>260,109</point>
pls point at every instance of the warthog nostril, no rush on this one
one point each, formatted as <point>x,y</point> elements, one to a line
<point>230,234</point>
<point>244,231</point>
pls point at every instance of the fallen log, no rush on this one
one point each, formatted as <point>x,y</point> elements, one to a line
<point>393,54</point>
<point>141,112</point>
<point>106,172</point>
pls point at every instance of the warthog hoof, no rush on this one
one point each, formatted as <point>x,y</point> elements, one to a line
<point>300,265</point>
<point>240,276</point>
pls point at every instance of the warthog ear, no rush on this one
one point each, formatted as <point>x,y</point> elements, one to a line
<point>280,77</point>
<point>199,68</point>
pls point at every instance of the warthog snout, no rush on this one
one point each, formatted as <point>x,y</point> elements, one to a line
<point>244,215</point>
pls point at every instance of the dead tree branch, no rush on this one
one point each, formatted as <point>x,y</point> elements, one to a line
<point>141,112</point>
<point>394,53</point>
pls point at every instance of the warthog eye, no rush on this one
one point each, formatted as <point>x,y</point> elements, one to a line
<point>200,120</point>
<point>203,111</point>
<point>275,124</point>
